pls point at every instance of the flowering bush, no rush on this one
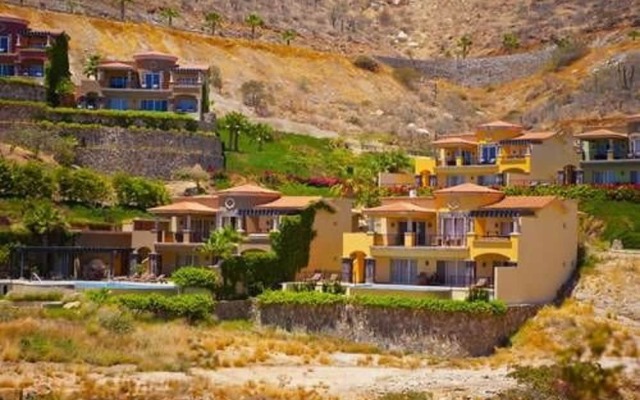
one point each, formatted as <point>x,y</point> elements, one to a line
<point>614,192</point>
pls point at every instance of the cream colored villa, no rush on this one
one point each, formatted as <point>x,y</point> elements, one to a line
<point>522,249</point>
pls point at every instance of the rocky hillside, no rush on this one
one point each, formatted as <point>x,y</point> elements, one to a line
<point>425,28</point>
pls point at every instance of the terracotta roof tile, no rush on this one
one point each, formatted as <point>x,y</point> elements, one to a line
<point>249,189</point>
<point>601,134</point>
<point>456,140</point>
<point>467,188</point>
<point>290,202</point>
<point>183,207</point>
<point>115,65</point>
<point>14,18</point>
<point>521,202</point>
<point>154,54</point>
<point>399,207</point>
<point>500,124</point>
<point>534,136</point>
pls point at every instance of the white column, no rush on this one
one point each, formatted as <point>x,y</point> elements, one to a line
<point>276,224</point>
<point>371,225</point>
<point>516,225</point>
<point>188,224</point>
<point>239,227</point>
<point>218,224</point>
<point>409,225</point>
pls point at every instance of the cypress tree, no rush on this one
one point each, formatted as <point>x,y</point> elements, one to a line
<point>57,73</point>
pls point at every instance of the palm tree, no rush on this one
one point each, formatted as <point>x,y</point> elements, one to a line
<point>288,36</point>
<point>44,220</point>
<point>234,124</point>
<point>465,43</point>
<point>261,133</point>
<point>222,244</point>
<point>123,6</point>
<point>254,21</point>
<point>213,21</point>
<point>168,14</point>
<point>634,34</point>
<point>91,63</point>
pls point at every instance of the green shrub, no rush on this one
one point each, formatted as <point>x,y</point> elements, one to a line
<point>38,347</point>
<point>196,277</point>
<point>333,287</point>
<point>6,178</point>
<point>82,186</point>
<point>98,296</point>
<point>427,304</point>
<point>303,287</point>
<point>367,63</point>
<point>118,322</point>
<point>53,295</point>
<point>137,192</point>
<point>407,76</point>
<point>32,180</point>
<point>478,294</point>
<point>193,307</point>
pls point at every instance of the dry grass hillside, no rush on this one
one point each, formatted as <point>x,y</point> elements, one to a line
<point>429,28</point>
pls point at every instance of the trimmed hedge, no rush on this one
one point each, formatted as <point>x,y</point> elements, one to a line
<point>148,119</point>
<point>193,307</point>
<point>622,192</point>
<point>196,277</point>
<point>426,304</point>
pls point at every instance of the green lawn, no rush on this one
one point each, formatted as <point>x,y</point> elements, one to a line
<point>622,220</point>
<point>287,154</point>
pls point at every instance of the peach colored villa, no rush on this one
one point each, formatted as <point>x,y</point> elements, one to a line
<point>152,81</point>
<point>521,249</point>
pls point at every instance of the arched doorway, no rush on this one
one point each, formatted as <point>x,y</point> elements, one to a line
<point>485,265</point>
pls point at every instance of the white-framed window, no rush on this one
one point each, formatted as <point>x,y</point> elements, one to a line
<point>5,44</point>
<point>118,104</point>
<point>187,105</point>
<point>151,80</point>
<point>604,177</point>
<point>153,105</point>
<point>635,147</point>
<point>404,271</point>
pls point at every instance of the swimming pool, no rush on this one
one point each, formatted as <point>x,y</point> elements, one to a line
<point>122,285</point>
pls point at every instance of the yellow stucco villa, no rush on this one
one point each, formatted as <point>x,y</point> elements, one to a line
<point>522,249</point>
<point>172,239</point>
<point>498,153</point>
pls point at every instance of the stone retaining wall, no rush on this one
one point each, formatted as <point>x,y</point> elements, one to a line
<point>16,90</point>
<point>439,334</point>
<point>483,71</point>
<point>232,310</point>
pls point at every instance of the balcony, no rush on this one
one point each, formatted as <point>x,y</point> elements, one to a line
<point>410,244</point>
<point>506,246</point>
<point>459,165</point>
<point>515,162</point>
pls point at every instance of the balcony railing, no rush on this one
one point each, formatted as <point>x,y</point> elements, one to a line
<point>410,239</point>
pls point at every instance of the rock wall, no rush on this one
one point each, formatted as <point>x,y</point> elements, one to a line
<point>16,90</point>
<point>440,334</point>
<point>144,152</point>
<point>477,71</point>
<point>233,310</point>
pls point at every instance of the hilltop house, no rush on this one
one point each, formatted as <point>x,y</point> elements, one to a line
<point>521,249</point>
<point>610,157</point>
<point>181,228</point>
<point>497,153</point>
<point>152,81</point>
<point>23,50</point>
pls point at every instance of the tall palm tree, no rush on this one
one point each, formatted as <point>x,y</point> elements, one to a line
<point>213,21</point>
<point>44,220</point>
<point>123,7</point>
<point>254,21</point>
<point>465,43</point>
<point>234,124</point>
<point>91,63</point>
<point>168,14</point>
<point>289,35</point>
<point>261,133</point>
<point>222,244</point>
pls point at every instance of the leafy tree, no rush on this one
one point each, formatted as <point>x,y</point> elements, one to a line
<point>44,220</point>
<point>196,174</point>
<point>6,178</point>
<point>57,73</point>
<point>464,44</point>
<point>137,192</point>
<point>32,180</point>
<point>82,186</point>
<point>288,36</point>
<point>254,21</point>
<point>234,124</point>
<point>255,94</point>
<point>261,133</point>
<point>213,20</point>
<point>510,42</point>
<point>215,77</point>
<point>123,7</point>
<point>222,244</point>
<point>91,64</point>
<point>634,34</point>
<point>168,14</point>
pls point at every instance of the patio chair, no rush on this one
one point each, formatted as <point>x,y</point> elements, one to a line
<point>334,278</point>
<point>481,283</point>
<point>317,277</point>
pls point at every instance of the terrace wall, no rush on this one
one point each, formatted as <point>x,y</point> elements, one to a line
<point>25,91</point>
<point>439,334</point>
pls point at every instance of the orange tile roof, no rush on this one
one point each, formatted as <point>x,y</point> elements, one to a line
<point>520,202</point>
<point>115,65</point>
<point>14,18</point>
<point>155,54</point>
<point>398,207</point>
<point>291,202</point>
<point>534,136</point>
<point>601,134</point>
<point>455,140</point>
<point>183,207</point>
<point>633,118</point>
<point>467,188</point>
<point>249,189</point>
<point>200,67</point>
<point>500,124</point>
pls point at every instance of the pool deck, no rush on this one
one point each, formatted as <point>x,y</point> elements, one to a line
<point>81,285</point>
